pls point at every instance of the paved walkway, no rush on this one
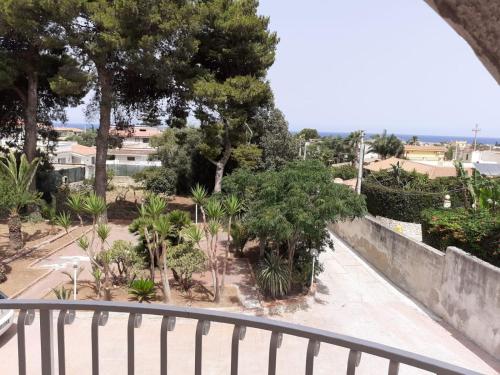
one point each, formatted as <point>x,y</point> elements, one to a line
<point>351,299</point>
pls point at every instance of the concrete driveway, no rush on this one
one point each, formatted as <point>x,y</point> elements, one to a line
<point>351,299</point>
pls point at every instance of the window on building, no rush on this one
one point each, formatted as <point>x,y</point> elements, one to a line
<point>61,160</point>
<point>131,158</point>
<point>145,140</point>
<point>111,157</point>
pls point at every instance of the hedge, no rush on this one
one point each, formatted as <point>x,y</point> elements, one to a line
<point>477,232</point>
<point>399,204</point>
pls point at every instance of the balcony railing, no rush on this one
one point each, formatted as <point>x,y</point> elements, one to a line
<point>278,329</point>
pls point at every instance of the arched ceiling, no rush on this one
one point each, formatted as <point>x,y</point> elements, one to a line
<point>478,22</point>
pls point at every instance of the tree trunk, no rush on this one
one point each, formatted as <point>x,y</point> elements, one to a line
<point>15,231</point>
<point>221,164</point>
<point>164,277</point>
<point>215,276</point>
<point>30,123</point>
<point>262,247</point>
<point>226,256</point>
<point>105,105</point>
<point>291,253</point>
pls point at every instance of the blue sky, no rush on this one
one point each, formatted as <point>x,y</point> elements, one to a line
<point>373,65</point>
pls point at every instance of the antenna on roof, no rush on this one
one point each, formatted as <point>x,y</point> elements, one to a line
<point>475,131</point>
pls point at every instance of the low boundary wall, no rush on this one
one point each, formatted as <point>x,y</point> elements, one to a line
<point>461,289</point>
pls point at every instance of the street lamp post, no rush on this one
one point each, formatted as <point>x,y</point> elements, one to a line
<point>314,254</point>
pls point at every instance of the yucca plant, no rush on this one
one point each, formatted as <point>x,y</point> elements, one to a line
<point>76,203</point>
<point>62,293</point>
<point>18,178</point>
<point>142,290</point>
<point>179,220</point>
<point>63,220</point>
<point>95,206</point>
<point>199,195</point>
<point>273,275</point>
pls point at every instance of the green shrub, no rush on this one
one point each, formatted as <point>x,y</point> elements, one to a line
<point>158,180</point>
<point>142,290</point>
<point>273,276</point>
<point>185,260</point>
<point>345,172</point>
<point>240,236</point>
<point>398,204</point>
<point>477,232</point>
<point>126,259</point>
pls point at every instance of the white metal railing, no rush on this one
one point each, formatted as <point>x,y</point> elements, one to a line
<point>68,309</point>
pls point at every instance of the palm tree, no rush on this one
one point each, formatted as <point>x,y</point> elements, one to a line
<point>351,144</point>
<point>18,178</point>
<point>386,146</point>
<point>413,140</point>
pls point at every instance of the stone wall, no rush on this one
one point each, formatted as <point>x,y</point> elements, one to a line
<point>456,286</point>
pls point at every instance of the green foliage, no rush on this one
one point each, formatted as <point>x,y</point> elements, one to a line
<point>178,150</point>
<point>477,232</point>
<point>158,180</point>
<point>240,236</point>
<point>308,134</point>
<point>214,209</point>
<point>179,220</point>
<point>247,156</point>
<point>35,60</point>
<point>386,145</point>
<point>87,138</point>
<point>289,208</point>
<point>94,205</point>
<point>345,172</point>
<point>278,145</point>
<point>399,204</point>
<point>126,260</point>
<point>63,220</point>
<point>185,259</point>
<point>235,50</point>
<point>142,290</point>
<point>273,276</point>
<point>62,293</point>
<point>16,181</point>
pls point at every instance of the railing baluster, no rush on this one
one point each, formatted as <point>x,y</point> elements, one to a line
<point>312,351</point>
<point>25,318</point>
<point>47,342</point>
<point>134,321</point>
<point>353,361</point>
<point>65,317</point>
<point>276,339</point>
<point>238,335</point>
<point>167,325</point>
<point>393,368</point>
<point>100,318</point>
<point>202,329</point>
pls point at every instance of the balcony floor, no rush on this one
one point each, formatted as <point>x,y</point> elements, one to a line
<point>351,299</point>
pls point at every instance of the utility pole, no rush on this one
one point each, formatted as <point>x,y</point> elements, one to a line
<point>475,131</point>
<point>361,158</point>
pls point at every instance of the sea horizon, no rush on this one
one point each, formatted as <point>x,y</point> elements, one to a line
<point>426,138</point>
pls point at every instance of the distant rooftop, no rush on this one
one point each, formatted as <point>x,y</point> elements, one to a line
<point>410,166</point>
<point>425,148</point>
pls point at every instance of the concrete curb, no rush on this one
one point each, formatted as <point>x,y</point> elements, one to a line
<point>36,247</point>
<point>66,244</point>
<point>16,294</point>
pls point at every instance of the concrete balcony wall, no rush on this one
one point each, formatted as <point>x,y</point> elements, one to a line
<point>461,289</point>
